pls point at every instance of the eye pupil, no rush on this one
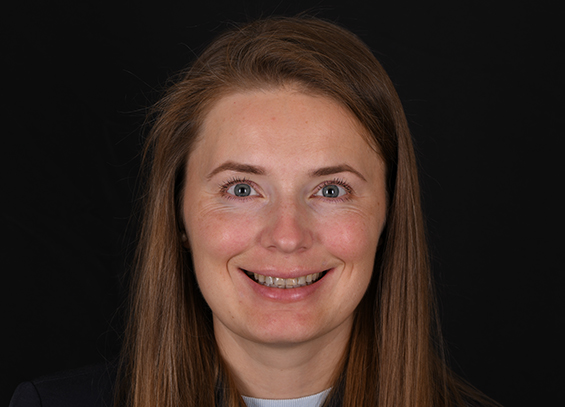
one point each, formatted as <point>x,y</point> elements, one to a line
<point>330,191</point>
<point>242,190</point>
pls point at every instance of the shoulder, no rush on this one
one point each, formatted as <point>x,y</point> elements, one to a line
<point>91,386</point>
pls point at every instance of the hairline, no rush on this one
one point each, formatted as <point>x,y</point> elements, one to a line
<point>294,86</point>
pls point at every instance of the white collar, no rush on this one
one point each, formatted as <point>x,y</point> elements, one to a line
<point>315,400</point>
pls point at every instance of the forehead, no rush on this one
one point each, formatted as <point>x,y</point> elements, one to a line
<point>280,121</point>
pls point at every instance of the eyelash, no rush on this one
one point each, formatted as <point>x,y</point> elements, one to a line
<point>336,181</point>
<point>232,181</point>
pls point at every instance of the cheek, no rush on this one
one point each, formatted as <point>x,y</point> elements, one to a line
<point>216,236</point>
<point>352,238</point>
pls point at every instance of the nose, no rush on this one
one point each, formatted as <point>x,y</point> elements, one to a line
<point>288,228</point>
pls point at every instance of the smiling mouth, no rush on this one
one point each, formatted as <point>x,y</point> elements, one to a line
<point>279,282</point>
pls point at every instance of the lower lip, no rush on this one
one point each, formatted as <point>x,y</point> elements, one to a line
<point>286,294</point>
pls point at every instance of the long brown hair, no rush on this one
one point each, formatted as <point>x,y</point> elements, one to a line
<point>394,357</point>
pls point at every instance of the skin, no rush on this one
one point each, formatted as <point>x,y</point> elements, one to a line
<point>285,146</point>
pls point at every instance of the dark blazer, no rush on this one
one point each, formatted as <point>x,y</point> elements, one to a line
<point>90,386</point>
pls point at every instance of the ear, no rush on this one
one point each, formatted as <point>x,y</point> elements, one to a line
<point>184,239</point>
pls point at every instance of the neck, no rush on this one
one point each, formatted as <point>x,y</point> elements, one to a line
<point>283,370</point>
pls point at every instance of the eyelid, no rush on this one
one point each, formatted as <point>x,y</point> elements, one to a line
<point>232,182</point>
<point>224,187</point>
<point>340,183</point>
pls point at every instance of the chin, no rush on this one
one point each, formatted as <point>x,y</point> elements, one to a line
<point>289,331</point>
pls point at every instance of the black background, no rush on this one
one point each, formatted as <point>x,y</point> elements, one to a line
<point>482,85</point>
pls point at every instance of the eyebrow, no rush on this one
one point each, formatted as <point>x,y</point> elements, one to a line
<point>237,167</point>
<point>320,172</point>
<point>253,169</point>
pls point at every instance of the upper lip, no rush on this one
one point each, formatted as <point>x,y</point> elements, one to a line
<point>284,273</point>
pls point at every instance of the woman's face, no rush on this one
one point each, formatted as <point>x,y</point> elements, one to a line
<point>282,190</point>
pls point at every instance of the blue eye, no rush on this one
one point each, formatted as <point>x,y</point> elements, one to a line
<point>241,190</point>
<point>332,191</point>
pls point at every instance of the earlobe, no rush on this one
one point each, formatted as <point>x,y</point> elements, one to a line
<point>184,239</point>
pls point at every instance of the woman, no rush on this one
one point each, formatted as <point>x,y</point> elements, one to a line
<point>272,122</point>
<point>282,253</point>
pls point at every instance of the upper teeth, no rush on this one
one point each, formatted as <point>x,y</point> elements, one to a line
<point>284,282</point>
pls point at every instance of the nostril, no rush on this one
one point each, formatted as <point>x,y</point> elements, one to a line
<point>288,228</point>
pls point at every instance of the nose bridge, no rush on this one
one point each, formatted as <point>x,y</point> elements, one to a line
<point>288,228</point>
